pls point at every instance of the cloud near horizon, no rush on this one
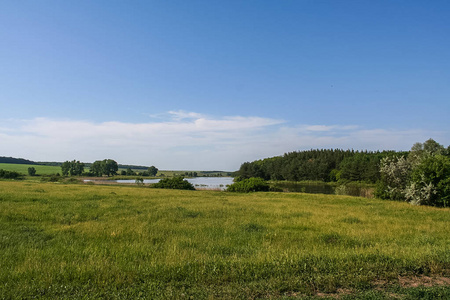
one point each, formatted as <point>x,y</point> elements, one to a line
<point>188,140</point>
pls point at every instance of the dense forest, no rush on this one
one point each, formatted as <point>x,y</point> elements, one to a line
<point>419,176</point>
<point>322,165</point>
<point>12,160</point>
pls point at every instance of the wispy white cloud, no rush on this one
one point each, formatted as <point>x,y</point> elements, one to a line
<point>188,140</point>
<point>322,128</point>
<point>180,115</point>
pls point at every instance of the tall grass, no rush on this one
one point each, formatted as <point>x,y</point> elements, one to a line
<point>74,241</point>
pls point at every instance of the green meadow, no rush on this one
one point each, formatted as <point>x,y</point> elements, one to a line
<point>75,241</point>
<point>49,170</point>
<point>40,170</point>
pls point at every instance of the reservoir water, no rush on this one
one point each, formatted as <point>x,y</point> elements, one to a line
<point>206,183</point>
<point>221,183</point>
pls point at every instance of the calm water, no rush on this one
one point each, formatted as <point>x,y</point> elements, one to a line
<point>220,183</point>
<point>207,183</point>
<point>300,187</point>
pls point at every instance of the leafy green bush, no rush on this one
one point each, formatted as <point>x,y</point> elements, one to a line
<point>139,181</point>
<point>423,178</point>
<point>395,173</point>
<point>175,183</point>
<point>430,182</point>
<point>51,178</point>
<point>341,190</point>
<point>10,174</point>
<point>31,171</point>
<point>254,184</point>
<point>72,180</point>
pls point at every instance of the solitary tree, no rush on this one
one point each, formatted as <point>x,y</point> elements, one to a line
<point>430,182</point>
<point>423,178</point>
<point>97,168</point>
<point>72,168</point>
<point>152,171</point>
<point>110,167</point>
<point>104,167</point>
<point>31,171</point>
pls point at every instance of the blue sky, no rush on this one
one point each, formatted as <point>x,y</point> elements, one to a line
<point>211,84</point>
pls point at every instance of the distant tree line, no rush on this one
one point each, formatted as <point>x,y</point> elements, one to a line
<point>50,163</point>
<point>22,161</point>
<point>318,165</point>
<point>133,167</point>
<point>106,167</point>
<point>419,176</point>
<point>12,160</point>
<point>150,171</point>
<point>193,174</point>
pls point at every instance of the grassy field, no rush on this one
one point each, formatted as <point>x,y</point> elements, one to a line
<point>116,242</point>
<point>40,170</point>
<point>48,170</point>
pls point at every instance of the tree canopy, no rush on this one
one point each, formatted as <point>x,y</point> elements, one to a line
<point>320,165</point>
<point>152,171</point>
<point>32,171</point>
<point>72,168</point>
<point>423,177</point>
<point>106,167</point>
<point>420,176</point>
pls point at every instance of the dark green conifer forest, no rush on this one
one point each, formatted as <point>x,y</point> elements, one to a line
<point>319,165</point>
<point>420,176</point>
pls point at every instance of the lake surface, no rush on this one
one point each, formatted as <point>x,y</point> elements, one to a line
<point>304,187</point>
<point>220,183</point>
<point>205,183</point>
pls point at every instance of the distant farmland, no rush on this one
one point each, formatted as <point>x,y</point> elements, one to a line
<point>40,170</point>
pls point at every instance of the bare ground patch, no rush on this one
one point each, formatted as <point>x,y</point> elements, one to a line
<point>415,281</point>
<point>384,286</point>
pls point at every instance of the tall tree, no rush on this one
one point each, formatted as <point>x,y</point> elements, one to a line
<point>152,171</point>
<point>97,168</point>
<point>72,168</point>
<point>106,167</point>
<point>110,167</point>
<point>65,168</point>
<point>31,171</point>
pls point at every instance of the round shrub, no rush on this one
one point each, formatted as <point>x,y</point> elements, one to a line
<point>430,182</point>
<point>249,185</point>
<point>175,183</point>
